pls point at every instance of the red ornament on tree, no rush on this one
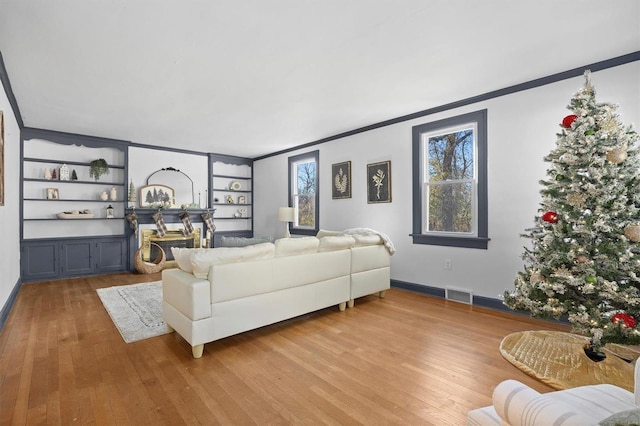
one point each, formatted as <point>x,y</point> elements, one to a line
<point>626,320</point>
<point>568,120</point>
<point>551,217</point>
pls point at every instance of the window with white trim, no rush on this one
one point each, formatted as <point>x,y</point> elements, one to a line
<point>303,192</point>
<point>450,182</point>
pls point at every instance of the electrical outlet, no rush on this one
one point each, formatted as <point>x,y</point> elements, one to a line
<point>447,264</point>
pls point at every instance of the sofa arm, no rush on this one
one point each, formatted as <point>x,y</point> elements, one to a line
<point>519,405</point>
<point>188,294</point>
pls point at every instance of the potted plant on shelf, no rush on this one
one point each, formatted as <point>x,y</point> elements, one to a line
<point>98,168</point>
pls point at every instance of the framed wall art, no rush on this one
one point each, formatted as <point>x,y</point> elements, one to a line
<point>53,194</point>
<point>157,195</point>
<point>341,180</point>
<point>379,182</point>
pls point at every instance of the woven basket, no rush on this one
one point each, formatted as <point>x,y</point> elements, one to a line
<point>149,267</point>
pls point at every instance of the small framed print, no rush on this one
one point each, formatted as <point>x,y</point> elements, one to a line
<point>379,182</point>
<point>341,180</point>
<point>156,195</point>
<point>53,194</point>
<point>242,199</point>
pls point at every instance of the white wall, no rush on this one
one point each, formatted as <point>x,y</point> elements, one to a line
<point>10,212</point>
<point>522,129</point>
<point>144,161</point>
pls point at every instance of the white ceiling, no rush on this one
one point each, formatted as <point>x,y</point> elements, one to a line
<point>252,77</point>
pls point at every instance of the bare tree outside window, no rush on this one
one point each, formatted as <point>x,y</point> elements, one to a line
<point>305,193</point>
<point>450,181</point>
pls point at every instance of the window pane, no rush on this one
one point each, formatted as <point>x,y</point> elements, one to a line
<point>306,208</point>
<point>305,193</point>
<point>450,156</point>
<point>306,177</point>
<point>449,207</point>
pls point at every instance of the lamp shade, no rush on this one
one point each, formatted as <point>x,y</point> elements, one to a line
<point>286,214</point>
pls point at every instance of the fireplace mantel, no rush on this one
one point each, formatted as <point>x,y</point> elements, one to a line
<point>169,215</point>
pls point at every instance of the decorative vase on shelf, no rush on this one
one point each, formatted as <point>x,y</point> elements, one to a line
<point>104,196</point>
<point>113,194</point>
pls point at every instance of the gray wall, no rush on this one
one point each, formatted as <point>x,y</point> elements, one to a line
<point>522,129</point>
<point>10,212</point>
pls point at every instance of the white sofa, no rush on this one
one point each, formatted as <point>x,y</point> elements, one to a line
<point>224,291</point>
<point>516,404</point>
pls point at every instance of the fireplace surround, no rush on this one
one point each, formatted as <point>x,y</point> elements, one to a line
<point>174,237</point>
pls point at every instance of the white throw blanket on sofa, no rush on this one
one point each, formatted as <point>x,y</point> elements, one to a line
<point>367,231</point>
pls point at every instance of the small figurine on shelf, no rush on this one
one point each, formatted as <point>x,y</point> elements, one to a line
<point>54,174</point>
<point>110,212</point>
<point>230,199</point>
<point>113,194</point>
<point>64,172</point>
<point>47,173</point>
<point>132,192</point>
<point>74,175</point>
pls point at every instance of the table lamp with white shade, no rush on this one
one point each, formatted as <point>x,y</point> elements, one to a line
<point>286,214</point>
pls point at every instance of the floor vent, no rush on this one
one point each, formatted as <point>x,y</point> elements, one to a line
<point>458,295</point>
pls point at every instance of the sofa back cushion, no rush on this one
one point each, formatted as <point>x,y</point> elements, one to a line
<point>296,246</point>
<point>243,241</point>
<point>332,243</point>
<point>364,240</point>
<point>182,256</point>
<point>326,233</point>
<point>201,261</point>
<point>294,271</point>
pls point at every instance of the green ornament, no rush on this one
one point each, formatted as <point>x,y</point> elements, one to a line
<point>590,279</point>
<point>559,176</point>
<point>589,132</point>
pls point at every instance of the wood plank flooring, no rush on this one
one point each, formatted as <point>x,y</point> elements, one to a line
<point>406,359</point>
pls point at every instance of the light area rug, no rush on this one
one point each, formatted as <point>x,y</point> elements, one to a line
<point>136,310</point>
<point>558,359</point>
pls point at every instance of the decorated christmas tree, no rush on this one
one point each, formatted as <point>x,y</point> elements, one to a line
<point>584,258</point>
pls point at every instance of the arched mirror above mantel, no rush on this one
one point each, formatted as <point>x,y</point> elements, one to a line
<point>168,188</point>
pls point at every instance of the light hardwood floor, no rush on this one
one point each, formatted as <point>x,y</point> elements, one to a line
<point>406,359</point>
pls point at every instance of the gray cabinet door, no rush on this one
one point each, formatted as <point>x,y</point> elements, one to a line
<point>76,257</point>
<point>111,255</point>
<point>40,261</point>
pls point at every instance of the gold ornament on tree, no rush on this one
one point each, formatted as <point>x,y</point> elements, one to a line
<point>617,155</point>
<point>632,232</point>
<point>536,277</point>
<point>609,125</point>
<point>576,200</point>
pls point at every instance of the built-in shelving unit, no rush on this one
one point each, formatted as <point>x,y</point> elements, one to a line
<point>84,240</point>
<point>231,195</point>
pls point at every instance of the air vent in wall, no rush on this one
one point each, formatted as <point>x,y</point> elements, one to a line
<point>458,295</point>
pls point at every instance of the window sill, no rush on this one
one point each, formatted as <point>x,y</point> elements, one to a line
<point>306,232</point>
<point>439,240</point>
